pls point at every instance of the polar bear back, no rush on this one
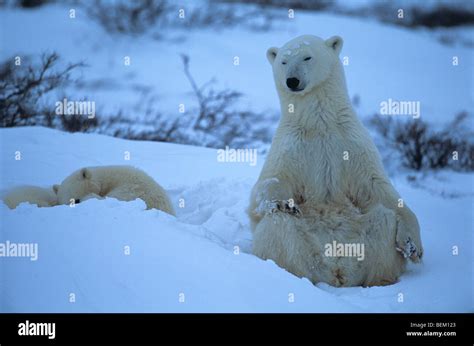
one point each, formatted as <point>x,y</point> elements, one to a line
<point>124,183</point>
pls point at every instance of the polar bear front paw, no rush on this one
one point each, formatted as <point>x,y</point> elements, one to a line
<point>284,206</point>
<point>408,250</point>
<point>408,241</point>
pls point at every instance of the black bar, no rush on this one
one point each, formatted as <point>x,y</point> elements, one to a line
<point>273,329</point>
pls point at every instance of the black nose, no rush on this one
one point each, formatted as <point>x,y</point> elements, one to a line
<point>292,83</point>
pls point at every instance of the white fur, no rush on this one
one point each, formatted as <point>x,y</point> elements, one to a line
<point>124,183</point>
<point>42,197</point>
<point>349,201</point>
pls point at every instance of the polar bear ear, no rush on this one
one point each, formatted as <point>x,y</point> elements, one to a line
<point>85,173</point>
<point>56,188</point>
<point>335,43</point>
<point>271,54</point>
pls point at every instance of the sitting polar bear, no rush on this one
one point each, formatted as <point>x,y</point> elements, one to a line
<point>124,183</point>
<point>42,197</point>
<point>323,186</point>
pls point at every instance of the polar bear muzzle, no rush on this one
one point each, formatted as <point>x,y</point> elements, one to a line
<point>293,83</point>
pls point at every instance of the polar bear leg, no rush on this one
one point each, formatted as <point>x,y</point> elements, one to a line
<point>299,245</point>
<point>280,237</point>
<point>385,263</point>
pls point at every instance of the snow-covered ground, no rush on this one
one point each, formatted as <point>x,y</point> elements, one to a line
<point>204,254</point>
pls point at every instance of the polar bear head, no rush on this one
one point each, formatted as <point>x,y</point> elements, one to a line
<point>77,187</point>
<point>304,63</point>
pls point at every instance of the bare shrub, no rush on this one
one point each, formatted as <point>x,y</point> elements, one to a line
<point>215,122</point>
<point>150,127</point>
<point>23,88</point>
<point>138,17</point>
<point>422,147</point>
<point>27,4</point>
<point>442,16</point>
<point>218,117</point>
<point>74,123</point>
<point>132,17</point>
<point>227,14</point>
<point>314,5</point>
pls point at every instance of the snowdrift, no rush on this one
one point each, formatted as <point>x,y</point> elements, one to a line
<point>112,256</point>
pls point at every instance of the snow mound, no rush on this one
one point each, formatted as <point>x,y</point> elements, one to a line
<point>113,256</point>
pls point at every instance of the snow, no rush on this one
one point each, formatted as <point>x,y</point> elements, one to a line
<point>81,249</point>
<point>204,254</point>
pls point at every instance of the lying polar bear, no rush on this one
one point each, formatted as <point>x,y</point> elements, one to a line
<point>42,197</point>
<point>124,183</point>
<point>323,182</point>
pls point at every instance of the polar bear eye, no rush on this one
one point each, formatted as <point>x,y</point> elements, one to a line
<point>283,62</point>
<point>308,58</point>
